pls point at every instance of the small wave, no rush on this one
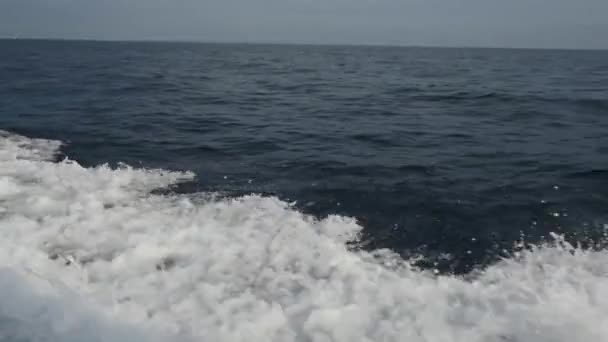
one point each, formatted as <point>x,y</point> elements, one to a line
<point>511,98</point>
<point>597,173</point>
<point>86,248</point>
<point>460,96</point>
<point>593,103</point>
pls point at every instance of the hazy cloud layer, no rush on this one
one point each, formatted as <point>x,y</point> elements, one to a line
<point>518,23</point>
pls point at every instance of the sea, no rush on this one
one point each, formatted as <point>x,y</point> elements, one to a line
<point>169,191</point>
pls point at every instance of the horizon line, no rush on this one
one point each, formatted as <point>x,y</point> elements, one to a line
<point>286,43</point>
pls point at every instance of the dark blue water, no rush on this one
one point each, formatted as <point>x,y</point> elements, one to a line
<point>435,151</point>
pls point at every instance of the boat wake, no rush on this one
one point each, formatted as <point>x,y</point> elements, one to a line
<point>95,254</point>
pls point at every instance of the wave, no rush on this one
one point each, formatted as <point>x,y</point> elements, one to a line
<point>97,254</point>
<point>505,97</point>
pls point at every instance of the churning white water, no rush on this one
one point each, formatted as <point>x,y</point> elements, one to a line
<point>89,254</point>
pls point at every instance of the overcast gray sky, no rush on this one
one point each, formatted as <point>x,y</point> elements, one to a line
<point>506,23</point>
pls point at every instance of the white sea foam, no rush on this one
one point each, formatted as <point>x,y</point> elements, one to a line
<point>88,254</point>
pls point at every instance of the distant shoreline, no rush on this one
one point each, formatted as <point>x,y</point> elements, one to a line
<point>272,43</point>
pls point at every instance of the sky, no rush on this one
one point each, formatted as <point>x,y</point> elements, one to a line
<point>489,23</point>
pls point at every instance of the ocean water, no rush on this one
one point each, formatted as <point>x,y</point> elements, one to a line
<point>216,192</point>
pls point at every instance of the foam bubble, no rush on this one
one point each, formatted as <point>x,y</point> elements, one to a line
<point>91,254</point>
